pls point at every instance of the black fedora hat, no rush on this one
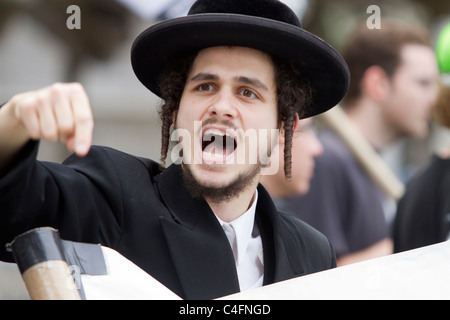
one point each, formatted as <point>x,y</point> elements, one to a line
<point>266,25</point>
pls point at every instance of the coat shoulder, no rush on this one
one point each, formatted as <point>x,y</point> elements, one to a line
<point>101,156</point>
<point>301,237</point>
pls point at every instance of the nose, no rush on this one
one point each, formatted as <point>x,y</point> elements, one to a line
<point>223,106</point>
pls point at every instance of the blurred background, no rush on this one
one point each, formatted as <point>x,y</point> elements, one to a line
<point>37,49</point>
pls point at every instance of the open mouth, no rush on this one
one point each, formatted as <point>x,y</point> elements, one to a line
<point>217,143</point>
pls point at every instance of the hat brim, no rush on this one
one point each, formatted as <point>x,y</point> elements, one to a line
<point>322,65</point>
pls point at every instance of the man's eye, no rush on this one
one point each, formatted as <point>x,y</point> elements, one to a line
<point>248,93</point>
<point>205,87</point>
<point>425,83</point>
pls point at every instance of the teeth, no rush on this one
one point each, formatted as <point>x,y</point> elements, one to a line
<point>213,154</point>
<point>215,132</point>
<point>210,133</point>
<point>217,143</point>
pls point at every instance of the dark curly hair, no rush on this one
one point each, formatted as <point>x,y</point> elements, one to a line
<point>293,97</point>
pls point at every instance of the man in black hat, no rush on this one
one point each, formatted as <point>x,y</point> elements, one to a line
<point>205,228</point>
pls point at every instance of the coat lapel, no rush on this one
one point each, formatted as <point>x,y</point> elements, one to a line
<point>197,244</point>
<point>282,256</point>
<point>200,250</point>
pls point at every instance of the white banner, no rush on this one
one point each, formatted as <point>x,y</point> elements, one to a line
<point>124,281</point>
<point>417,274</point>
<point>422,273</point>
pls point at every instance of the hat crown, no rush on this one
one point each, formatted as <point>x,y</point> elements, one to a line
<point>268,9</point>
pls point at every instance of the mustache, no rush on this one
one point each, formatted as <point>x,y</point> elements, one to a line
<point>224,122</point>
<point>213,121</point>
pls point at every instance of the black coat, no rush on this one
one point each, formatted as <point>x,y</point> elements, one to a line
<point>125,203</point>
<point>423,213</point>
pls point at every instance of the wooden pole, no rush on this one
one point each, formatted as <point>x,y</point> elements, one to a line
<point>338,121</point>
<point>50,280</point>
<point>40,258</point>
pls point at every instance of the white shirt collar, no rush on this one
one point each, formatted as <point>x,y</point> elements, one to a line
<point>243,228</point>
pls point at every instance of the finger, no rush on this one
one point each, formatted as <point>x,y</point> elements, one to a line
<point>28,116</point>
<point>84,123</point>
<point>64,117</point>
<point>70,143</point>
<point>47,120</point>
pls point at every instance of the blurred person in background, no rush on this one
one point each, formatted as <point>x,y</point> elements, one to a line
<point>423,213</point>
<point>306,147</point>
<point>394,84</point>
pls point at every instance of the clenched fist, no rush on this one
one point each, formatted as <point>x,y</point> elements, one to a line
<point>58,112</point>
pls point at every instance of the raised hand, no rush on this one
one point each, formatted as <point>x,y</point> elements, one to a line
<point>58,112</point>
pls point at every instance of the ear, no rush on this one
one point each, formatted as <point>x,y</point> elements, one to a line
<point>375,83</point>
<point>281,137</point>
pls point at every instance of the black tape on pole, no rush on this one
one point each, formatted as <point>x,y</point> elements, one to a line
<point>44,244</point>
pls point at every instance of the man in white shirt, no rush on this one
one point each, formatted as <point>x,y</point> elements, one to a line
<point>245,241</point>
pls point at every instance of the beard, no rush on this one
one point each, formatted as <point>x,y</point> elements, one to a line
<point>222,193</point>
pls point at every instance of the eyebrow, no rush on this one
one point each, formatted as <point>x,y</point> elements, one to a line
<point>253,82</point>
<point>202,76</point>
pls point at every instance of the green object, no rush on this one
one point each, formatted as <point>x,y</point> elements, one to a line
<point>443,49</point>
